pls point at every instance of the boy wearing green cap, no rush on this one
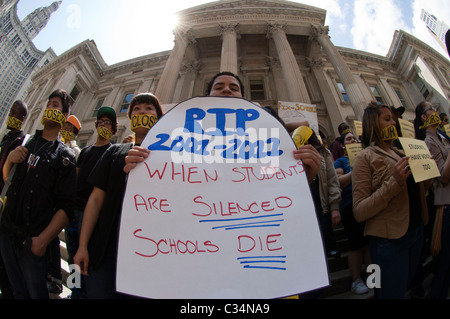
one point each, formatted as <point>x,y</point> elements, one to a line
<point>106,125</point>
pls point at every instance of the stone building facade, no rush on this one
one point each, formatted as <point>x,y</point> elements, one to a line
<point>19,57</point>
<point>281,50</point>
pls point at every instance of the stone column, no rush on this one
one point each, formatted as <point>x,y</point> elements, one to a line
<point>169,76</point>
<point>334,114</point>
<point>229,59</point>
<point>275,67</point>
<point>292,76</point>
<point>189,74</point>
<point>357,100</point>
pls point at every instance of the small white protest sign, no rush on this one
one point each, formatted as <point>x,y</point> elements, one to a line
<point>220,209</point>
<point>297,112</point>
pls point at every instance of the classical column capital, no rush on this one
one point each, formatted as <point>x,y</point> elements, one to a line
<point>186,35</point>
<point>191,67</point>
<point>232,27</point>
<point>273,62</point>
<point>275,26</point>
<point>318,30</point>
<point>314,63</point>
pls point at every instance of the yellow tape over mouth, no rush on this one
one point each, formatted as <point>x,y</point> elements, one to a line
<point>54,115</point>
<point>67,136</point>
<point>14,123</point>
<point>433,119</point>
<point>389,133</point>
<point>143,120</point>
<point>104,132</point>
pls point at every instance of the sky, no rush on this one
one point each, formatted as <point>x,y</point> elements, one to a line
<point>124,30</point>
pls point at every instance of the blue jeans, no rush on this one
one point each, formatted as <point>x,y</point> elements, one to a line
<point>101,281</point>
<point>27,272</point>
<point>72,234</point>
<point>398,260</point>
<point>441,280</point>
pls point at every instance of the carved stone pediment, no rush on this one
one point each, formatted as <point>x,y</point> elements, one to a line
<point>249,4</point>
<point>251,9</point>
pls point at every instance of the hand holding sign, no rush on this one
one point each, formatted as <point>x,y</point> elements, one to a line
<point>219,209</point>
<point>422,166</point>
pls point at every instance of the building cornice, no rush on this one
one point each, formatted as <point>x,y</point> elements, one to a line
<point>80,49</point>
<point>144,61</point>
<point>248,13</point>
<point>89,50</point>
<point>401,41</point>
<point>364,56</point>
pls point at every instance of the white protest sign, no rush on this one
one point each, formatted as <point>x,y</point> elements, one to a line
<point>220,209</point>
<point>296,112</point>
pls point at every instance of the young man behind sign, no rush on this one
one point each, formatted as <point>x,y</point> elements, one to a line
<point>97,252</point>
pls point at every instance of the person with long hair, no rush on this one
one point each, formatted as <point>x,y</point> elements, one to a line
<point>426,124</point>
<point>387,198</point>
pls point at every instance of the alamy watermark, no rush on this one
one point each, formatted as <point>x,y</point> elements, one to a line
<point>216,146</point>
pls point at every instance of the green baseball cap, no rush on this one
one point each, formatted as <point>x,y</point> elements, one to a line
<point>107,111</point>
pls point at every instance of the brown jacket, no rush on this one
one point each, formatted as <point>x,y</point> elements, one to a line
<point>330,190</point>
<point>377,197</point>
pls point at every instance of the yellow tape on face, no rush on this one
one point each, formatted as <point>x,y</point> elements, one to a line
<point>433,119</point>
<point>54,115</point>
<point>14,123</point>
<point>104,132</point>
<point>301,135</point>
<point>67,136</point>
<point>143,120</point>
<point>389,133</point>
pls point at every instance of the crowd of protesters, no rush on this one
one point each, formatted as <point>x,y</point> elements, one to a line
<point>49,184</point>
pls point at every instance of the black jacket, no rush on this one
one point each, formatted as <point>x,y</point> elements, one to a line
<point>39,190</point>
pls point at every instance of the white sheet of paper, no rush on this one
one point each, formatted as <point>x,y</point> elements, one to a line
<point>208,227</point>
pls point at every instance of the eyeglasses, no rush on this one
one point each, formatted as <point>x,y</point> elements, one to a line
<point>106,122</point>
<point>433,107</point>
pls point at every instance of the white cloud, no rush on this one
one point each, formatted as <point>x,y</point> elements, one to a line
<point>374,24</point>
<point>336,9</point>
